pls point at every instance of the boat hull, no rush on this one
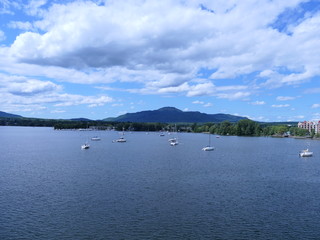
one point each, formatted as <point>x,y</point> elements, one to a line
<point>309,154</point>
<point>208,148</point>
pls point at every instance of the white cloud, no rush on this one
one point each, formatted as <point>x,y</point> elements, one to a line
<point>299,117</point>
<point>202,103</point>
<point>91,101</point>
<point>34,7</point>
<point>312,91</point>
<point>24,86</point>
<point>7,5</point>
<point>134,35</point>
<point>280,106</point>
<point>132,41</point>
<point>234,95</point>
<point>316,117</point>
<point>21,25</point>
<point>19,93</point>
<point>57,111</point>
<point>201,89</point>
<point>258,103</point>
<point>208,105</point>
<point>259,118</point>
<point>117,105</point>
<point>316,105</point>
<point>283,98</point>
<point>2,36</point>
<point>32,87</point>
<point>197,102</point>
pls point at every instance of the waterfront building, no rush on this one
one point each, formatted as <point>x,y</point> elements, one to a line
<point>309,125</point>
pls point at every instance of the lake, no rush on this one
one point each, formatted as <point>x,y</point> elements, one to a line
<point>247,188</point>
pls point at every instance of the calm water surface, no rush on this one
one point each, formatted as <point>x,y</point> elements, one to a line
<point>248,188</point>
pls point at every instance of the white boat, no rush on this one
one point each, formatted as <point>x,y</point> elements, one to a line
<point>85,146</point>
<point>95,138</point>
<point>208,147</point>
<point>121,140</point>
<point>305,153</point>
<point>173,141</point>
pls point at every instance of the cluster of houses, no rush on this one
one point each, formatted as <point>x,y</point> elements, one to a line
<point>310,126</point>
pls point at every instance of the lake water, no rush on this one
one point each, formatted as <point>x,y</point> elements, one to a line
<point>247,188</point>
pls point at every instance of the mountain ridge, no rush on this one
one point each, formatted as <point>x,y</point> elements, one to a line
<point>9,115</point>
<point>174,115</point>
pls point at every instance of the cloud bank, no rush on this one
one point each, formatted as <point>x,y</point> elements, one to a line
<point>164,46</point>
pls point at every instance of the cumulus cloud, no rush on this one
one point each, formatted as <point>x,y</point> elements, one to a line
<point>258,103</point>
<point>91,101</point>
<point>312,91</point>
<point>208,105</point>
<point>134,35</point>
<point>299,117</point>
<point>316,117</point>
<point>316,105</point>
<point>19,93</point>
<point>158,47</point>
<point>20,85</point>
<point>197,102</point>
<point>202,103</point>
<point>27,26</point>
<point>234,95</point>
<point>31,87</point>
<point>283,98</point>
<point>57,111</point>
<point>2,36</point>
<point>280,105</point>
<point>201,89</point>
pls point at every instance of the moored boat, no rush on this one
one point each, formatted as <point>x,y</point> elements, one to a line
<point>173,141</point>
<point>96,138</point>
<point>305,153</point>
<point>85,146</point>
<point>121,140</point>
<point>208,147</point>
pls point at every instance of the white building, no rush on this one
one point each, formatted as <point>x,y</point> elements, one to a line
<point>310,126</point>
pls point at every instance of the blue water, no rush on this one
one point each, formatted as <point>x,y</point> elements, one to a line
<point>247,188</point>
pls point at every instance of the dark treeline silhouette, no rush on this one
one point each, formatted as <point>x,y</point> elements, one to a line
<point>243,127</point>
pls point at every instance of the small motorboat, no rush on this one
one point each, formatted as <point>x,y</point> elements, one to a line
<point>85,146</point>
<point>96,138</point>
<point>208,148</point>
<point>174,142</point>
<point>305,153</point>
<point>121,140</point>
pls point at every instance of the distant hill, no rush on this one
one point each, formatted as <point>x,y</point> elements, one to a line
<point>174,115</point>
<point>9,115</point>
<point>81,119</point>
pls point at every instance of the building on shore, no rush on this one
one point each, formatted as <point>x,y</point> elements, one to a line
<point>310,126</point>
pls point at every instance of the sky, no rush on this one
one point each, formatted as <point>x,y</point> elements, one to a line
<point>103,58</point>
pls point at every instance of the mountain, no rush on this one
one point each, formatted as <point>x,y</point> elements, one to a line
<point>9,115</point>
<point>174,115</point>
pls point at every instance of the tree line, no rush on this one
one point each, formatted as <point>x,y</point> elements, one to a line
<point>248,127</point>
<point>243,127</point>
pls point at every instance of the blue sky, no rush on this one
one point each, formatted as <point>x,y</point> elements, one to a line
<point>98,59</point>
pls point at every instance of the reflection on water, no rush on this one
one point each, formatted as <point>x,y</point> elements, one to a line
<point>247,188</point>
